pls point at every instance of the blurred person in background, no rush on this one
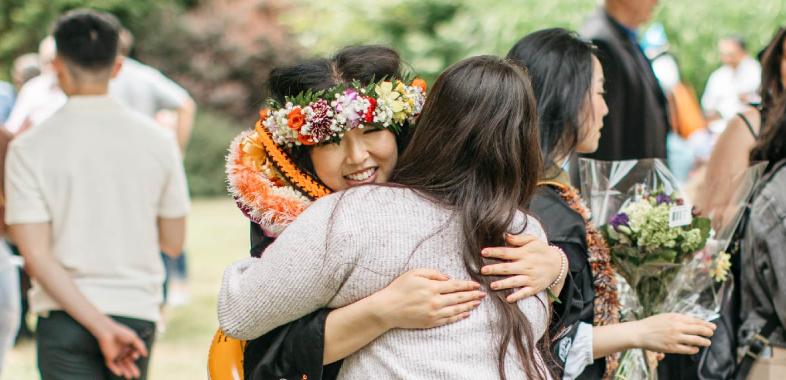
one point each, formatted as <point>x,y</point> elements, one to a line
<point>25,67</point>
<point>97,279</point>
<point>637,122</point>
<point>39,97</point>
<point>730,156</point>
<point>733,86</point>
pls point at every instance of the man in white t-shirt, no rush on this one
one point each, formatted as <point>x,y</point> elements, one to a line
<point>731,87</point>
<point>93,194</point>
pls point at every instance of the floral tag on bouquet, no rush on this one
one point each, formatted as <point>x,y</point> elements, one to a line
<point>680,216</point>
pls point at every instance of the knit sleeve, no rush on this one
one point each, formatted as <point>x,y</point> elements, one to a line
<point>296,275</point>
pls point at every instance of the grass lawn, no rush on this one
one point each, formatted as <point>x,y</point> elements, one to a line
<point>217,236</point>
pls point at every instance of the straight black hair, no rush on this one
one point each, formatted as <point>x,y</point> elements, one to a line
<point>87,38</point>
<point>560,65</point>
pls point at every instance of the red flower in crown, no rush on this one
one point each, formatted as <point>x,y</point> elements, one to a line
<point>372,106</point>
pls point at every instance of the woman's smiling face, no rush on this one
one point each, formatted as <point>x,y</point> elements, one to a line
<point>364,155</point>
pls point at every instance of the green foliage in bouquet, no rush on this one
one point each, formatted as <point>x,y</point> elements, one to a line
<point>650,238</point>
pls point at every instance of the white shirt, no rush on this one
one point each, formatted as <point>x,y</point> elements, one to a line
<point>101,174</point>
<point>726,85</point>
<point>146,89</point>
<point>37,100</point>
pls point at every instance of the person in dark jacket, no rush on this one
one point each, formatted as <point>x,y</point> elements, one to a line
<point>587,335</point>
<point>637,122</point>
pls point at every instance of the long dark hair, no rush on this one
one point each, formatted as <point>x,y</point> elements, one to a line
<point>363,63</point>
<point>771,145</point>
<point>771,82</point>
<point>560,65</point>
<point>476,151</point>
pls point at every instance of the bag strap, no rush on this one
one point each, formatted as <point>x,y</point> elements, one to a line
<point>749,125</point>
<point>754,348</point>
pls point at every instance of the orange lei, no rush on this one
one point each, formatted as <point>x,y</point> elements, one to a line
<point>606,306</point>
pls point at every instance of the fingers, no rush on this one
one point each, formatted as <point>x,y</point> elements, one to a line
<point>502,269</point>
<point>449,320</point>
<point>115,368</point>
<point>451,311</point>
<point>521,294</point>
<point>693,340</point>
<point>130,370</point>
<point>139,346</point>
<point>699,330</point>
<point>460,297</point>
<point>519,240</point>
<point>519,281</point>
<point>503,253</point>
<point>430,274</point>
<point>684,350</point>
<point>453,286</point>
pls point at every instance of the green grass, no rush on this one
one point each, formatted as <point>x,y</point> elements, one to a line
<point>217,236</point>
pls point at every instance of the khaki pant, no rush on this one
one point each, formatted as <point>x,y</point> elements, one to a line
<point>770,368</point>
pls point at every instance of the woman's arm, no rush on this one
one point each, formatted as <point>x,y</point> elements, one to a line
<point>297,275</point>
<point>728,161</point>
<point>667,333</point>
<point>418,299</point>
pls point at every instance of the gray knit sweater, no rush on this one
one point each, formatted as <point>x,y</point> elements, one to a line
<point>349,245</point>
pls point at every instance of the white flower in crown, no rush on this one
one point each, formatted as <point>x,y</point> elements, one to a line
<point>324,116</point>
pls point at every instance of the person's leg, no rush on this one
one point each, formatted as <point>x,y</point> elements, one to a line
<point>66,350</point>
<point>181,268</point>
<point>9,310</point>
<point>145,330</point>
<point>167,275</point>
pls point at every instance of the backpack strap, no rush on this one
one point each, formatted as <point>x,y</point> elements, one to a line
<point>755,346</point>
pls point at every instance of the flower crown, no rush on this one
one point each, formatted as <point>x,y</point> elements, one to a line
<point>267,185</point>
<point>324,116</point>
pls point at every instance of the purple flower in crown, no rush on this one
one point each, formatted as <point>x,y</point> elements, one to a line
<point>620,219</point>
<point>320,121</point>
<point>662,198</point>
<point>349,108</point>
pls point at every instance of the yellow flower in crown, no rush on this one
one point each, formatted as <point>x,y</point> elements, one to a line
<point>390,104</point>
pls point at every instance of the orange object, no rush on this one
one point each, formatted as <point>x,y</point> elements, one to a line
<point>263,114</point>
<point>296,119</point>
<point>225,358</point>
<point>687,116</point>
<point>417,82</point>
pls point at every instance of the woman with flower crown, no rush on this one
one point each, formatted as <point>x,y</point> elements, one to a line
<point>459,187</point>
<point>276,170</point>
<point>568,81</point>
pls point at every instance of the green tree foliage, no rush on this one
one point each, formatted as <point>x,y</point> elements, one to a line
<point>23,23</point>
<point>432,34</point>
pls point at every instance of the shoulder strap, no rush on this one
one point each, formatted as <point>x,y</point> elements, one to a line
<point>758,343</point>
<point>748,124</point>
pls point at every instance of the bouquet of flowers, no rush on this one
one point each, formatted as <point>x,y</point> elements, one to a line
<point>666,257</point>
<point>650,238</point>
